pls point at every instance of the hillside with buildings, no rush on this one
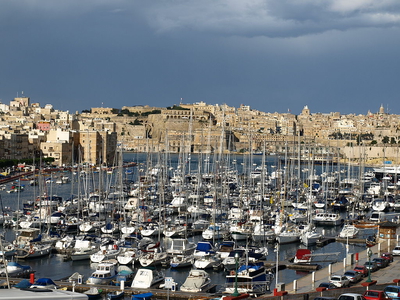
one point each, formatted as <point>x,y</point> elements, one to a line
<point>29,130</point>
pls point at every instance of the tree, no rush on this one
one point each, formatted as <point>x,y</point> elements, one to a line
<point>374,142</point>
<point>385,140</point>
<point>392,140</point>
<point>136,122</point>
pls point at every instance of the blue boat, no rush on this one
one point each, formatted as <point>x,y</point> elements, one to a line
<point>115,295</point>
<point>145,296</point>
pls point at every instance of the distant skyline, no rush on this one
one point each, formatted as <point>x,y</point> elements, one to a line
<point>331,55</point>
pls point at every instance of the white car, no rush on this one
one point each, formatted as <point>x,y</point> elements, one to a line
<point>396,250</point>
<point>351,296</point>
<point>340,280</point>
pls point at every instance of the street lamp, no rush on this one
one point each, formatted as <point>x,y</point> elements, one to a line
<point>236,293</point>
<point>369,253</point>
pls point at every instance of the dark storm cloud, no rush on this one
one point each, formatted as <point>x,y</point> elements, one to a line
<point>273,55</point>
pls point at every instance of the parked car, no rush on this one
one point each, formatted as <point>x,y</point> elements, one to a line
<point>375,295</point>
<point>327,285</point>
<point>325,298</point>
<point>362,270</point>
<point>371,265</point>
<point>396,250</point>
<point>351,296</point>
<point>387,256</point>
<point>381,262</point>
<point>340,280</point>
<point>353,276</point>
<point>392,291</point>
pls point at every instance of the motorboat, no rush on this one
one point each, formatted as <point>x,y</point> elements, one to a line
<point>240,256</point>
<point>15,269</point>
<point>225,248</point>
<point>114,295</point>
<point>302,256</point>
<point>146,278</point>
<point>251,278</point>
<point>104,274</point>
<point>196,281</point>
<point>203,248</point>
<point>93,293</point>
<point>44,283</point>
<point>327,219</point>
<point>348,231</point>
<point>40,294</point>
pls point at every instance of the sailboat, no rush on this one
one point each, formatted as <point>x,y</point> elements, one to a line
<point>153,255</point>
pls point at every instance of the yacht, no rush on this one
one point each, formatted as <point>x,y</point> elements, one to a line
<point>252,278</point>
<point>146,278</point>
<point>203,248</point>
<point>327,219</point>
<point>104,274</point>
<point>348,231</point>
<point>196,281</point>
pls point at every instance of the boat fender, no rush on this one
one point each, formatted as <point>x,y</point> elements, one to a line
<point>115,247</point>
<point>233,272</point>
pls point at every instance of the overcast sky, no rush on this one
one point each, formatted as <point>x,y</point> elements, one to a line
<point>274,55</point>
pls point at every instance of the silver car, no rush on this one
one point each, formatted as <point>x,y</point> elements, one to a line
<point>396,250</point>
